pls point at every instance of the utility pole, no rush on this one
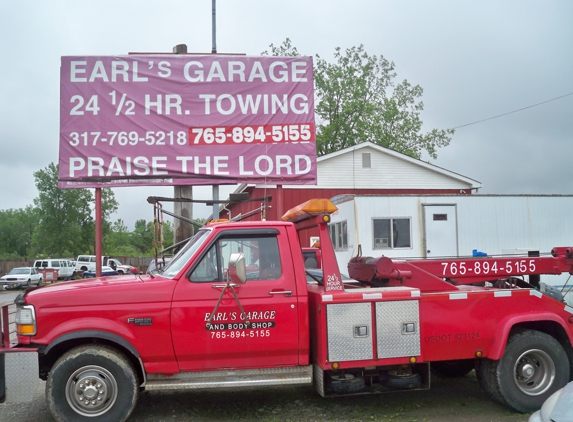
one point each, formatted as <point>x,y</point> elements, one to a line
<point>214,51</point>
<point>181,229</point>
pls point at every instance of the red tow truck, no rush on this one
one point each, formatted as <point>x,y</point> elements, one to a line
<point>235,308</point>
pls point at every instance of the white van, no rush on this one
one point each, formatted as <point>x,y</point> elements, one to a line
<point>64,266</point>
<point>86,263</point>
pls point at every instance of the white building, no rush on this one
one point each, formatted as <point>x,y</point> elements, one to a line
<point>432,226</point>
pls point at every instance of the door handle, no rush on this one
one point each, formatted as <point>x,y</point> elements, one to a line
<point>281,292</point>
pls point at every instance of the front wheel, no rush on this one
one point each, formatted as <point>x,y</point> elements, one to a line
<point>533,366</point>
<point>92,383</point>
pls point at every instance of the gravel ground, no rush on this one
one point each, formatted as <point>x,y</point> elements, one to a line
<point>451,400</point>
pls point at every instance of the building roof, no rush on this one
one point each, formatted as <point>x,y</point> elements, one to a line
<point>388,170</point>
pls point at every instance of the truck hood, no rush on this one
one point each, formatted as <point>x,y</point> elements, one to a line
<point>103,290</point>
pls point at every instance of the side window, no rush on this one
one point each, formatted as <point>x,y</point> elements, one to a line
<point>55,264</point>
<point>339,235</point>
<point>391,233</point>
<point>261,253</point>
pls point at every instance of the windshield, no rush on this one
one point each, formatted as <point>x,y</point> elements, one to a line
<point>174,266</point>
<point>19,271</point>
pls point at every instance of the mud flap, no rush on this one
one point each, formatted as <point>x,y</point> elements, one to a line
<point>2,379</point>
<point>19,376</point>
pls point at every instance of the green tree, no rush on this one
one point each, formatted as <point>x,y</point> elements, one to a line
<point>358,100</point>
<point>16,229</point>
<point>142,238</point>
<point>117,242</point>
<point>66,226</point>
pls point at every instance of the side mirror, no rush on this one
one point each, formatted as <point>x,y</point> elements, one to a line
<point>237,268</point>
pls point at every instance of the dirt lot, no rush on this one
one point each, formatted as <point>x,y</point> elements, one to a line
<point>449,400</point>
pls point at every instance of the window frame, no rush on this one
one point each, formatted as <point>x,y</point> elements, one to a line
<point>338,232</point>
<point>234,235</point>
<point>391,239</point>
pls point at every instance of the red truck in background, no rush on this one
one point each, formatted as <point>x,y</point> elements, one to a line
<point>312,257</point>
<point>235,308</point>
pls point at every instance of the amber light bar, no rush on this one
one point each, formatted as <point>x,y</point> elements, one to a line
<point>308,209</point>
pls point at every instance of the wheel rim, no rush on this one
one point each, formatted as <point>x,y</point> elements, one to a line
<point>534,372</point>
<point>91,390</point>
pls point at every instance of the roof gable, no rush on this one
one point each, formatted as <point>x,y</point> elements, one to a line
<point>388,170</point>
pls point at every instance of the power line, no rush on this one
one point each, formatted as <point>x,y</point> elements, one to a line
<point>514,111</point>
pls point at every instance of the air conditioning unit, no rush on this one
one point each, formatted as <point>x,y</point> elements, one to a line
<point>380,242</point>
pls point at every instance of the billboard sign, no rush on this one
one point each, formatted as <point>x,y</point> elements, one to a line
<point>163,119</point>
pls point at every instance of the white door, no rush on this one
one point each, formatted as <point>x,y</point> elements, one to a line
<point>441,230</point>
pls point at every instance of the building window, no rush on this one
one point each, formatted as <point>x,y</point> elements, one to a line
<point>339,235</point>
<point>366,160</point>
<point>392,233</point>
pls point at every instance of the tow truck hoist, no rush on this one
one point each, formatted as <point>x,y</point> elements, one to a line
<point>214,317</point>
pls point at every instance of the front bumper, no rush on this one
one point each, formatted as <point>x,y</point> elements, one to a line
<point>9,285</point>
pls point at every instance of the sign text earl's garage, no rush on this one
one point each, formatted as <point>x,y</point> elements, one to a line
<point>185,119</point>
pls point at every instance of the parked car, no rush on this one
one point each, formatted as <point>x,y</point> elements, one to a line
<point>557,408</point>
<point>105,271</point>
<point>66,269</point>
<point>21,277</point>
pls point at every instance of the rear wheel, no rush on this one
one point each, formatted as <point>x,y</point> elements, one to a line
<point>92,383</point>
<point>533,366</point>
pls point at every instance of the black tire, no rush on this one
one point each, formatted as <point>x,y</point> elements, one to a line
<point>453,368</point>
<point>39,282</point>
<point>401,382</point>
<point>99,373</point>
<point>533,366</point>
<point>28,283</point>
<point>346,383</point>
<point>485,374</point>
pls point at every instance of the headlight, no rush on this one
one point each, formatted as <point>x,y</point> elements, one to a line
<point>25,320</point>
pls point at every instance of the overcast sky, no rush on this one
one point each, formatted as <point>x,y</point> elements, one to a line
<point>474,60</point>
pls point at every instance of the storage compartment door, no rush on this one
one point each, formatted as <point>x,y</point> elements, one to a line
<point>349,331</point>
<point>397,329</point>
